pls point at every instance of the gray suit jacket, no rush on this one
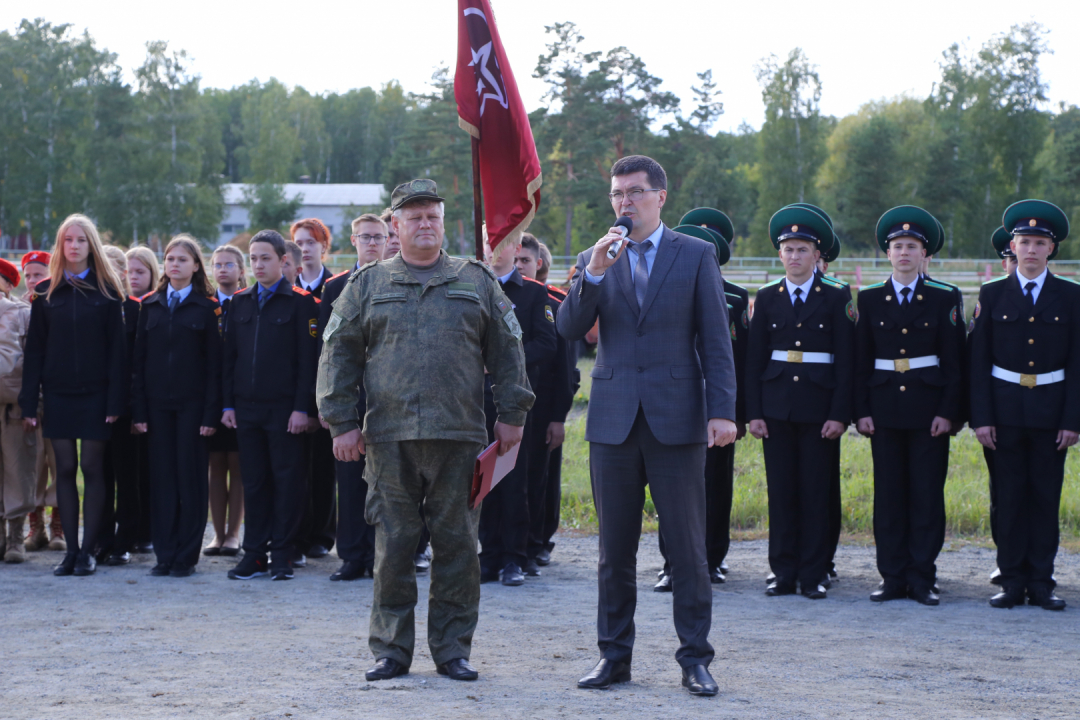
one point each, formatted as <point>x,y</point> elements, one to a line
<point>649,357</point>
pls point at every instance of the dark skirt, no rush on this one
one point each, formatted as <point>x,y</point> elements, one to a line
<point>223,440</point>
<point>76,417</point>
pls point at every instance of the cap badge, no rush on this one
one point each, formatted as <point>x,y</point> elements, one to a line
<point>907,226</point>
<point>1032,222</point>
<point>794,228</point>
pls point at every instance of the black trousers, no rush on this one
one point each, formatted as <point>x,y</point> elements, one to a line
<point>127,500</point>
<point>988,455</point>
<point>538,481</point>
<point>719,487</point>
<point>675,475</point>
<point>504,515</point>
<point>799,471</point>
<point>272,465</point>
<point>910,467</point>
<point>355,538</point>
<point>180,493</point>
<point>1028,474</point>
<point>319,524</point>
<point>836,510</point>
<point>553,497</point>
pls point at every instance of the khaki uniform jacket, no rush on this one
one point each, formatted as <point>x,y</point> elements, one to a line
<point>14,322</point>
<point>421,352</point>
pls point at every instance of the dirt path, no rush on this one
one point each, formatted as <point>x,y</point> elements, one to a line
<point>126,645</point>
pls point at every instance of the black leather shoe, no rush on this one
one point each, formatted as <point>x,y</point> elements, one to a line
<point>511,575</point>
<point>886,592</point>
<point>182,571</point>
<point>1008,598</point>
<point>488,576</point>
<point>724,568</point>
<point>770,578</point>
<point>317,551</point>
<point>118,558</point>
<point>543,558</point>
<point>299,560</point>
<point>422,561</point>
<point>349,570</point>
<point>777,588</point>
<point>995,577</point>
<point>161,570</point>
<point>716,576</point>
<point>924,596</point>
<point>532,568</point>
<point>66,566</point>
<point>833,575</point>
<point>384,669</point>
<point>605,674</point>
<point>211,551</point>
<point>1046,599</point>
<point>698,681</point>
<point>817,592</point>
<point>826,582</point>
<point>457,669</point>
<point>143,548</point>
<point>85,564</point>
<point>664,585</point>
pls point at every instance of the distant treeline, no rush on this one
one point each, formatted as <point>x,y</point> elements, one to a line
<point>149,159</point>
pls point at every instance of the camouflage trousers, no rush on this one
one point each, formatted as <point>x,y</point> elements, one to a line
<point>401,475</point>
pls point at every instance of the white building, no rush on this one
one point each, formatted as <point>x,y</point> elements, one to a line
<point>331,203</point>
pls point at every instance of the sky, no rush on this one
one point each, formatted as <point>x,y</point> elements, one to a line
<point>865,50</point>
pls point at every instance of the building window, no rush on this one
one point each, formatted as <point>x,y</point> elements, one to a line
<point>232,228</point>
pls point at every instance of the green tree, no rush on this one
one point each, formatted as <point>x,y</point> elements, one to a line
<point>269,209</point>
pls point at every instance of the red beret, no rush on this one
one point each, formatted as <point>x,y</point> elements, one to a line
<point>9,272</point>
<point>38,256</point>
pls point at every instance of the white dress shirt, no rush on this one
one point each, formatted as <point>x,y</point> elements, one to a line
<point>805,287</point>
<point>1039,281</point>
<point>650,255</point>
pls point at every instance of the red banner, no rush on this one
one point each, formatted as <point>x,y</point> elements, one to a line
<point>490,109</point>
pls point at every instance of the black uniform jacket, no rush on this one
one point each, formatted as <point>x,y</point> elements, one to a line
<point>738,302</point>
<point>925,326</point>
<point>271,354</point>
<point>320,289</point>
<point>554,388</point>
<point>801,392</point>
<point>536,315</point>
<point>178,356</point>
<point>75,345</point>
<point>331,291</point>
<point>1011,334</point>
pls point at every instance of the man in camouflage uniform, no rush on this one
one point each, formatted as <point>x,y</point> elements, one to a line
<point>418,330</point>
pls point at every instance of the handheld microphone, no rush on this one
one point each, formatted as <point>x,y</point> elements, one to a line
<point>625,226</point>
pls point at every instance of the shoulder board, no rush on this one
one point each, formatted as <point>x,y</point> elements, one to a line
<point>300,291</point>
<point>734,285</point>
<point>1061,277</point>
<point>214,300</point>
<point>832,283</point>
<point>729,307</point>
<point>770,284</point>
<point>556,298</point>
<point>734,296</point>
<point>939,286</point>
<point>999,278</point>
<point>140,299</point>
<point>532,280</point>
<point>941,282</point>
<point>362,268</point>
<point>132,297</point>
<point>837,280</point>
<point>875,285</point>
<point>557,290</point>
<point>479,264</point>
<point>340,274</point>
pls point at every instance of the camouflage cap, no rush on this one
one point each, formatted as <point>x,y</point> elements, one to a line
<point>414,190</point>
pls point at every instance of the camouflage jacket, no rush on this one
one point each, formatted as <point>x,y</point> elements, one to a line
<point>420,352</point>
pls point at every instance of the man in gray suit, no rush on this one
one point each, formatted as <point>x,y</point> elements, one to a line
<point>663,389</point>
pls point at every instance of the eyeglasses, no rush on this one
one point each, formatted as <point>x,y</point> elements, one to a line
<point>635,195</point>
<point>225,266</point>
<point>370,239</point>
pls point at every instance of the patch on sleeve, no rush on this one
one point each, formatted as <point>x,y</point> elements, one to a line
<point>852,311</point>
<point>548,314</point>
<point>313,327</point>
<point>745,318</point>
<point>217,310</point>
<point>512,322</point>
<point>502,305</point>
<point>952,315</point>
<point>971,326</point>
<point>733,331</point>
<point>331,326</point>
<point>978,309</point>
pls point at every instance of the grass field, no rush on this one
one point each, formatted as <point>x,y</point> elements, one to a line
<point>966,493</point>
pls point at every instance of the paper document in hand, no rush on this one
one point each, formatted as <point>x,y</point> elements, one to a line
<point>490,469</point>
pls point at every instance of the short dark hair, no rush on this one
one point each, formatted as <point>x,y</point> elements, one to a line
<point>530,243</point>
<point>639,163</point>
<point>272,238</point>
<point>294,251</point>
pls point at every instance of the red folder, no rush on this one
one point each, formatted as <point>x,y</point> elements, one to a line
<point>489,470</point>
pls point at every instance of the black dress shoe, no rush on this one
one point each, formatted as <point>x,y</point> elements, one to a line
<point>724,567</point>
<point>142,548</point>
<point>826,582</point>
<point>532,568</point>
<point>182,571</point>
<point>422,561</point>
<point>777,588</point>
<point>299,560</point>
<point>211,551</point>
<point>349,570</point>
<point>543,558</point>
<point>605,674</point>
<point>1008,598</point>
<point>716,576</point>
<point>66,566</point>
<point>816,592</point>
<point>85,564</point>
<point>886,592</point>
<point>230,551</point>
<point>698,681</point>
<point>664,585</point>
<point>833,575</point>
<point>384,669</point>
<point>511,575</point>
<point>995,577</point>
<point>1046,599</point>
<point>161,570</point>
<point>317,551</point>
<point>770,578</point>
<point>488,576</point>
<point>118,558</point>
<point>924,596</point>
<point>457,669</point>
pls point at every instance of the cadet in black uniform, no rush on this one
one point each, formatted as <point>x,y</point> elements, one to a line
<point>269,381</point>
<point>75,357</point>
<point>355,537</point>
<point>176,395</point>
<point>504,517</point>
<point>1025,399</point>
<point>907,397</point>
<point>798,397</point>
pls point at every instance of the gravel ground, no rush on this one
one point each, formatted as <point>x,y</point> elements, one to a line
<point>122,644</point>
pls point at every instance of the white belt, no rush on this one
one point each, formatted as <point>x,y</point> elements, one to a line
<point>798,356</point>
<point>1028,380</point>
<point>902,365</point>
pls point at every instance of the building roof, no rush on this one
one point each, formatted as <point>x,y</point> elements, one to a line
<point>330,194</point>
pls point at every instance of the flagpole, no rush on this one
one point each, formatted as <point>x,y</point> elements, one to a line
<point>478,209</point>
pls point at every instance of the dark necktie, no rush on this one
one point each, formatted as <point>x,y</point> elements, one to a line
<point>1030,287</point>
<point>798,300</point>
<point>904,299</point>
<point>174,300</point>
<point>641,272</point>
<point>264,295</point>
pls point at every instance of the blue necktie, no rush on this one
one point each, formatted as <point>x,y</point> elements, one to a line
<point>174,300</point>
<point>641,272</point>
<point>264,295</point>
